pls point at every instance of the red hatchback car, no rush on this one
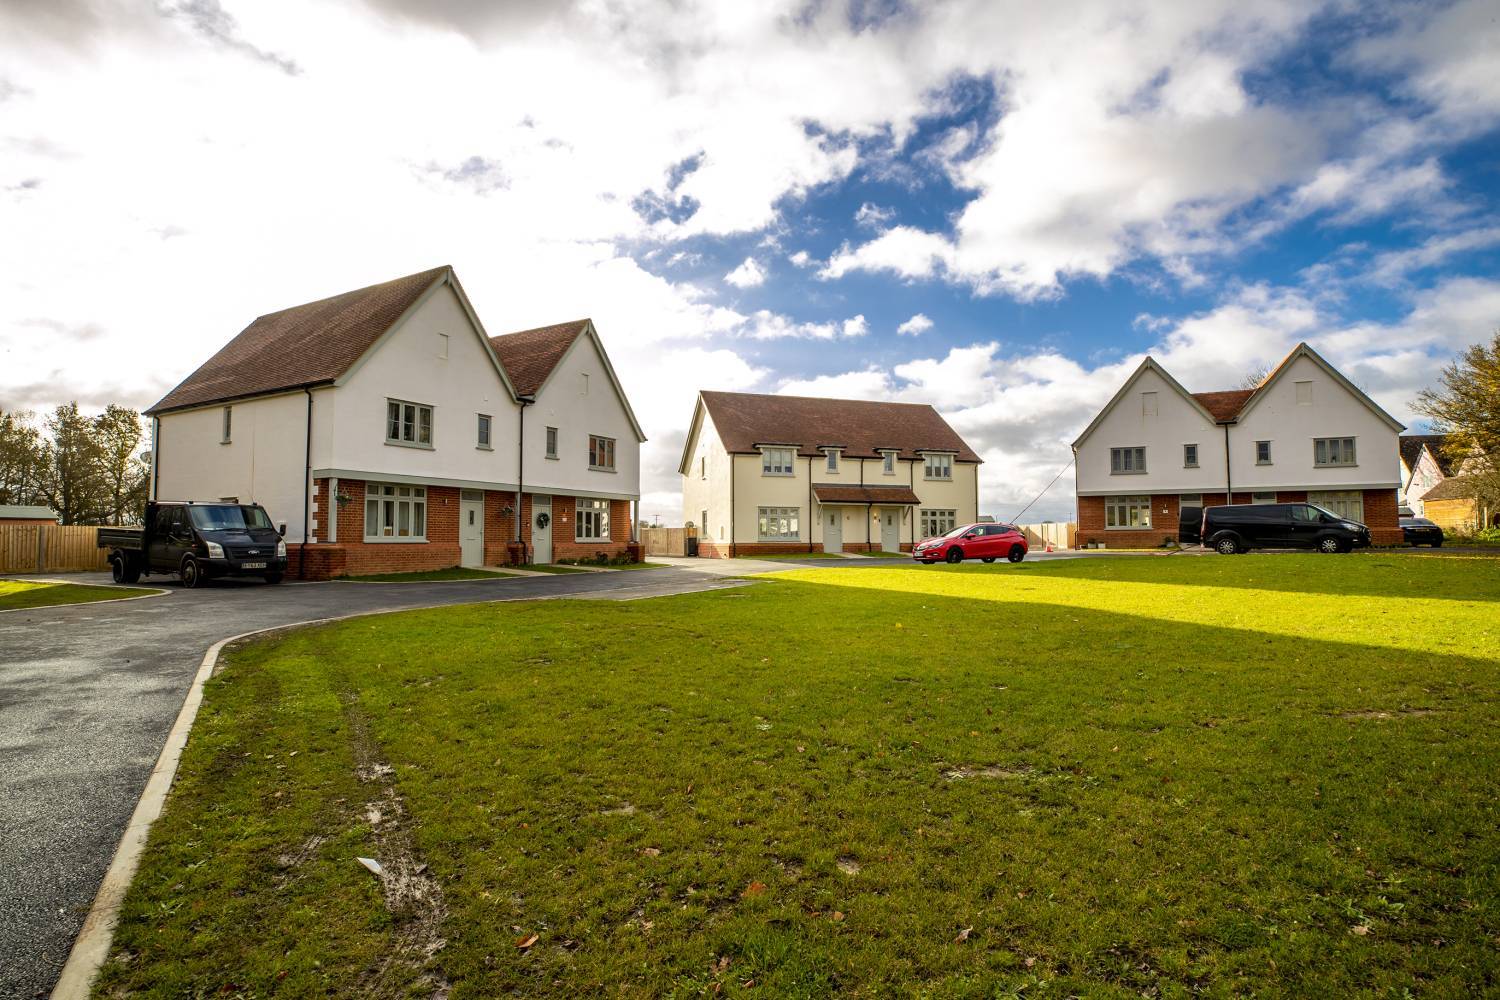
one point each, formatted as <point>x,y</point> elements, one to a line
<point>974,541</point>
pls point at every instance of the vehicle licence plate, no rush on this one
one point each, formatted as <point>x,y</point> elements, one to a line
<point>259,565</point>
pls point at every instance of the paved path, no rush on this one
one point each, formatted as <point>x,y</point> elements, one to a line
<point>89,692</point>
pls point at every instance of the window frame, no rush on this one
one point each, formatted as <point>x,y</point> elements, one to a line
<point>1117,462</point>
<point>1186,464</point>
<point>601,447</point>
<point>770,467</point>
<point>1325,445</point>
<point>788,515</point>
<point>1263,447</point>
<point>549,443</point>
<point>484,432</point>
<point>941,461</point>
<point>1333,500</point>
<point>592,512</point>
<point>401,423</point>
<point>831,460</point>
<point>1257,498</point>
<point>1127,505</point>
<point>930,519</point>
<point>888,463</point>
<point>402,495</point>
<point>226,425</point>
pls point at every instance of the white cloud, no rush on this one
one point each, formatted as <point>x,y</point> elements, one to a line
<point>767,325</point>
<point>747,275</point>
<point>801,259</point>
<point>856,326</point>
<point>918,324</point>
<point>1394,266</point>
<point>903,250</point>
<point>873,216</point>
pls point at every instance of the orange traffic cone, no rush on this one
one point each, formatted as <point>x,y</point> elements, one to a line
<point>1049,546</point>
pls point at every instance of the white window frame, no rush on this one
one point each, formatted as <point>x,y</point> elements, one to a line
<point>1190,460</point>
<point>1267,446</point>
<point>484,432</point>
<point>1127,513</point>
<point>888,463</point>
<point>786,520</point>
<point>590,520</point>
<point>831,460</point>
<point>778,461</point>
<point>935,521</point>
<point>1325,448</point>
<point>1129,460</point>
<point>226,426</point>
<point>406,417</point>
<point>550,448</point>
<point>937,466</point>
<point>601,453</point>
<point>391,508</point>
<point>1348,504</point>
<point>1263,497</point>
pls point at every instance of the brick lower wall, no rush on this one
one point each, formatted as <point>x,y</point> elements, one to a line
<point>564,526</point>
<point>352,556</point>
<point>1380,517</point>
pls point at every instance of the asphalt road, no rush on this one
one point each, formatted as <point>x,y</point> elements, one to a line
<point>89,692</point>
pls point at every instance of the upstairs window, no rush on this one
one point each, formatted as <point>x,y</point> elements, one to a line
<point>601,453</point>
<point>776,461</point>
<point>1262,453</point>
<point>833,461</point>
<point>408,423</point>
<point>1127,461</point>
<point>889,463</point>
<point>483,439</point>
<point>1189,456</point>
<point>938,467</point>
<point>1333,451</point>
<point>551,442</point>
<point>228,425</point>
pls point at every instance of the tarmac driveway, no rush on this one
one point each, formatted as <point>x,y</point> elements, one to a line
<point>89,692</point>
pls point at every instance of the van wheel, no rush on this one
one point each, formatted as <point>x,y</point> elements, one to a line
<point>273,578</point>
<point>1227,546</point>
<point>1016,553</point>
<point>1329,544</point>
<point>955,556</point>
<point>192,577</point>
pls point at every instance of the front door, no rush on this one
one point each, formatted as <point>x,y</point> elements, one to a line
<point>541,529</point>
<point>833,529</point>
<point>890,530</point>
<point>471,528</point>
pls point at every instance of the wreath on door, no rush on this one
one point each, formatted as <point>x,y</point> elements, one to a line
<point>543,519</point>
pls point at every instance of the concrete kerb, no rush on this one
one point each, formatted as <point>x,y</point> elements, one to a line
<point>91,947</point>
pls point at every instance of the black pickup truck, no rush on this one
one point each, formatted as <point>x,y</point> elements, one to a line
<point>197,541</point>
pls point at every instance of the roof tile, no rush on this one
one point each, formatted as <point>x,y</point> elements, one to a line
<point>860,427</point>
<point>529,356</point>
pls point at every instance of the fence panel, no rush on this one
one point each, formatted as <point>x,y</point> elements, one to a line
<point>665,541</point>
<point>1058,534</point>
<point>50,548</point>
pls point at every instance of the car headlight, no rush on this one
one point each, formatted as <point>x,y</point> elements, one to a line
<point>215,550</point>
<point>281,548</point>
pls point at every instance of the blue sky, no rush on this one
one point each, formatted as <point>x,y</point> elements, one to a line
<point>758,196</point>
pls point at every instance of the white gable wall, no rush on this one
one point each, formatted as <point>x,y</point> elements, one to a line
<point>1177,422</point>
<point>579,400</point>
<point>1291,427</point>
<point>705,486</point>
<point>407,365</point>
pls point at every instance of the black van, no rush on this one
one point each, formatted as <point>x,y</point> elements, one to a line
<point>1243,526</point>
<point>197,541</point>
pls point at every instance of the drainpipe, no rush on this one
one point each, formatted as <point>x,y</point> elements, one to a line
<point>155,455</point>
<point>1228,476</point>
<point>306,490</point>
<point>525,401</point>
<point>732,464</point>
<point>810,506</point>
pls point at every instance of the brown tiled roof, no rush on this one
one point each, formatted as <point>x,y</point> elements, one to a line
<point>865,494</point>
<point>861,427</point>
<point>310,344</point>
<point>529,356</point>
<point>1452,488</point>
<point>1411,450</point>
<point>1226,405</point>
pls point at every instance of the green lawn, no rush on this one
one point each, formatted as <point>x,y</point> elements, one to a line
<point>1274,775</point>
<point>791,556</point>
<point>425,576</point>
<point>15,594</point>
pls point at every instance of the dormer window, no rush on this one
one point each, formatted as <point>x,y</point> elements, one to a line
<point>937,466</point>
<point>888,462</point>
<point>777,461</point>
<point>833,460</point>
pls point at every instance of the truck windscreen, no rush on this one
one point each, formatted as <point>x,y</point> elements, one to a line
<point>228,518</point>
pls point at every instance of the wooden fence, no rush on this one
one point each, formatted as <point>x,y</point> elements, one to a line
<point>50,548</point>
<point>1058,534</point>
<point>667,541</point>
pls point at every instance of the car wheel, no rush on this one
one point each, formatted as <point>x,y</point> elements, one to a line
<point>273,578</point>
<point>1329,544</point>
<point>989,559</point>
<point>1016,553</point>
<point>192,577</point>
<point>955,556</point>
<point>1226,546</point>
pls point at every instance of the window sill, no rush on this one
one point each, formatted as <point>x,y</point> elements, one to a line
<point>483,447</point>
<point>1351,465</point>
<point>600,468</point>
<point>410,444</point>
<point>1191,466</point>
<point>550,458</point>
<point>937,479</point>
<point>1144,527</point>
<point>226,442</point>
<point>1135,472</point>
<point>590,541</point>
<point>382,540</point>
<point>1264,463</point>
<point>779,475</point>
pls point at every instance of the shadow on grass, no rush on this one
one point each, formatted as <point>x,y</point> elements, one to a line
<point>1139,804</point>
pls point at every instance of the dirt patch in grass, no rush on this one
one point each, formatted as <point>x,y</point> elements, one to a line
<point>1377,714</point>
<point>992,771</point>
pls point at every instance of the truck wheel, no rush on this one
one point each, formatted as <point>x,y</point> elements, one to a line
<point>192,577</point>
<point>955,555</point>
<point>273,578</point>
<point>117,569</point>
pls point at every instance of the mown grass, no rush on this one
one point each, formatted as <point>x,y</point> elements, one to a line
<point>427,576</point>
<point>1270,775</point>
<point>553,568</point>
<point>17,594</point>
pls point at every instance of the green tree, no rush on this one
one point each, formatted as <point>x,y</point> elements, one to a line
<point>1466,406</point>
<point>71,483</point>
<point>122,475</point>
<point>23,459</point>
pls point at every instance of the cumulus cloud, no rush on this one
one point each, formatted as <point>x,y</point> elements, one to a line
<point>873,216</point>
<point>767,325</point>
<point>918,324</point>
<point>801,259</point>
<point>747,275</point>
